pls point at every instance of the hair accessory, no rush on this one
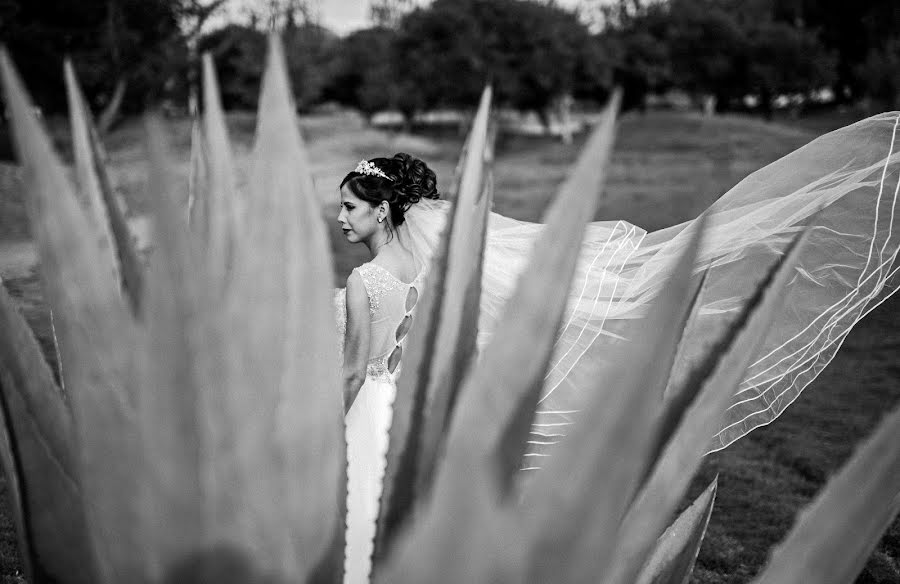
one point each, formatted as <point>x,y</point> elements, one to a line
<point>366,167</point>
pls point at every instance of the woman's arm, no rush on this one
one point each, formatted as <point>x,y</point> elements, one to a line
<point>356,340</point>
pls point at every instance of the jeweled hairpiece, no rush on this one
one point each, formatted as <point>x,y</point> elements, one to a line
<point>366,167</point>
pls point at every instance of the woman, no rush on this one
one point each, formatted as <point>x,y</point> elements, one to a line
<point>844,185</point>
<point>380,298</point>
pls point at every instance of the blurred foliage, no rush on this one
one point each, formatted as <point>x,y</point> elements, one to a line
<point>418,56</point>
<point>389,13</point>
<point>529,51</point>
<point>724,48</point>
<point>365,74</point>
<point>140,43</point>
<point>880,73</point>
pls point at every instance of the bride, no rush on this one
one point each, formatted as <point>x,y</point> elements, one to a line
<point>845,185</point>
<point>379,298</point>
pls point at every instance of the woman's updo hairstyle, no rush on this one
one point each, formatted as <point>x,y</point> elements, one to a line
<point>409,180</point>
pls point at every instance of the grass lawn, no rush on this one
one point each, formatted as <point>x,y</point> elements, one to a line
<point>667,167</point>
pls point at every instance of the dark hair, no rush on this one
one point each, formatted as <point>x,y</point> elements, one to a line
<point>408,181</point>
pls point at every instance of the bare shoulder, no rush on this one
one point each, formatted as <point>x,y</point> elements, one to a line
<point>400,263</point>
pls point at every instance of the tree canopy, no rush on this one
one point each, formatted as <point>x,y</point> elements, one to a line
<point>418,56</point>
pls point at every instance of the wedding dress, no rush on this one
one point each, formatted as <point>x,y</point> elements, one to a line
<point>391,308</point>
<point>845,185</point>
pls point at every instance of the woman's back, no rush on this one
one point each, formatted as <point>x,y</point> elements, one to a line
<point>391,304</point>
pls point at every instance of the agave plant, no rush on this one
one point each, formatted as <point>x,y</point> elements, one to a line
<point>200,438</point>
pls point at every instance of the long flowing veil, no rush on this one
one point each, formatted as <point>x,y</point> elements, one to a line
<point>845,183</point>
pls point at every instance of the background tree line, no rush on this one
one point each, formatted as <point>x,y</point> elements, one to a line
<point>134,54</point>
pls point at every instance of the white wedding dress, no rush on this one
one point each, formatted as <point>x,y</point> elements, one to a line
<point>391,309</point>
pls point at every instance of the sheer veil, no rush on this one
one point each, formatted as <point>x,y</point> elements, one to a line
<point>846,270</point>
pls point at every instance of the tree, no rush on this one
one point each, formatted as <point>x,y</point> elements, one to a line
<point>389,13</point>
<point>708,48</point>
<point>311,52</point>
<point>635,45</point>
<point>732,48</point>
<point>239,55</point>
<point>137,45</point>
<point>880,73</point>
<point>280,15</point>
<point>854,31</point>
<point>529,51</point>
<point>365,77</point>
<point>784,59</point>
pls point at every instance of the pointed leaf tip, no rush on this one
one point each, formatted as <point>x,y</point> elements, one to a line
<point>97,194</point>
<point>675,554</point>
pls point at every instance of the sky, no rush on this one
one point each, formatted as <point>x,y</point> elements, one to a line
<point>341,16</point>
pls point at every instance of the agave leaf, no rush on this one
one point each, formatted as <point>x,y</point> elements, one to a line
<point>405,438</point>
<point>168,397</point>
<point>22,359</point>
<point>107,219</point>
<point>38,453</point>
<point>198,183</point>
<point>834,536</point>
<point>450,539</point>
<point>478,541</point>
<point>87,181</point>
<point>675,405</point>
<point>682,455</point>
<point>14,487</point>
<point>586,488</point>
<point>407,458</point>
<point>676,551</point>
<point>458,320</point>
<point>95,333</point>
<point>221,192</point>
<point>279,365</point>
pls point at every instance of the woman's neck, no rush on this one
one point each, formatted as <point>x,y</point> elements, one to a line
<point>378,242</point>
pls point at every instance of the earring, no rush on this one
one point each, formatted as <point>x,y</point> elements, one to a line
<point>381,219</point>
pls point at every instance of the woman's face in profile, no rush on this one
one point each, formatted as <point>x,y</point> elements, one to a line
<point>358,218</point>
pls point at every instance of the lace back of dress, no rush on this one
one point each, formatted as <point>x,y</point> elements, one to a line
<point>391,306</point>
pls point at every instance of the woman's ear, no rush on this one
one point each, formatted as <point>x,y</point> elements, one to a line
<point>384,211</point>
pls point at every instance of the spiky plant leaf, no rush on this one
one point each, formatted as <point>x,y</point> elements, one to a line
<point>676,551</point>
<point>588,485</point>
<point>222,204</point>
<point>198,183</point>
<point>450,539</point>
<point>39,458</point>
<point>681,457</point>
<point>458,319</point>
<point>14,486</point>
<point>107,219</point>
<point>169,395</point>
<point>414,434</point>
<point>835,535</point>
<point>408,418</point>
<point>85,173</point>
<point>278,365</point>
<point>677,404</point>
<point>95,333</point>
<point>22,359</point>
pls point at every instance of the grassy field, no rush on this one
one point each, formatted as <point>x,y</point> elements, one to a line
<point>667,167</point>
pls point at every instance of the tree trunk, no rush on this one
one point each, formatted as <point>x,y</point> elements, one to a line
<point>565,118</point>
<point>709,102</point>
<point>110,114</point>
